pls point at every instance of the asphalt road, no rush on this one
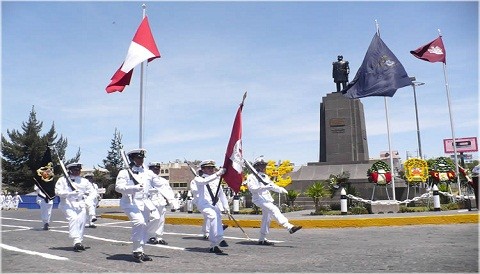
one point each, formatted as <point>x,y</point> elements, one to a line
<point>449,248</point>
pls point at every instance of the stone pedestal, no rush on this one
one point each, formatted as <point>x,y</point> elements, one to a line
<point>343,136</point>
<point>383,208</point>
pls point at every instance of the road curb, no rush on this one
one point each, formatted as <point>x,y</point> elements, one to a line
<point>337,222</point>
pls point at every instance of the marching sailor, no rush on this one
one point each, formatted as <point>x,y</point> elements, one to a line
<point>207,185</point>
<point>262,198</point>
<point>92,203</point>
<point>159,199</point>
<point>46,206</point>
<point>135,184</point>
<point>73,192</point>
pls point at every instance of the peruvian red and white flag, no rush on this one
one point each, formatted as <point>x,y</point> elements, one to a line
<point>234,156</point>
<point>142,48</point>
<point>432,52</point>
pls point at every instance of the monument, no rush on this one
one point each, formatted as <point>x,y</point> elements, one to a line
<point>343,136</point>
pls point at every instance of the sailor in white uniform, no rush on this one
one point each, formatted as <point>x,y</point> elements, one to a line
<point>206,186</point>
<point>136,190</point>
<point>262,198</point>
<point>159,199</point>
<point>46,206</point>
<point>73,194</point>
<point>91,203</point>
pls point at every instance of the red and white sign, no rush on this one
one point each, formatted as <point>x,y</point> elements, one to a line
<point>468,144</point>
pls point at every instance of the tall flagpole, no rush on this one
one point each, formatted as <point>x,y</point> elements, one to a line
<point>451,123</point>
<point>140,130</point>
<point>388,133</point>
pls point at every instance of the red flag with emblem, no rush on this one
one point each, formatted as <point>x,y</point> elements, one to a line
<point>432,52</point>
<point>233,156</point>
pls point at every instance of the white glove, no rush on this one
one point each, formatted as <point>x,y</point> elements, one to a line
<point>283,190</point>
<point>220,172</point>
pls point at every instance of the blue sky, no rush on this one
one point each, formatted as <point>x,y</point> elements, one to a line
<point>59,57</point>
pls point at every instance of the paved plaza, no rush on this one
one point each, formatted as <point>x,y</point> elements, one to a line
<point>451,248</point>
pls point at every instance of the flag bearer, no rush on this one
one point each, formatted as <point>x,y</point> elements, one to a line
<point>73,192</point>
<point>207,186</point>
<point>262,198</point>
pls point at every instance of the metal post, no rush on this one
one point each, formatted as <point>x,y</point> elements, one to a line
<point>414,84</point>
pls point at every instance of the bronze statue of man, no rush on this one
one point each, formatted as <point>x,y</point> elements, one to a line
<point>340,72</point>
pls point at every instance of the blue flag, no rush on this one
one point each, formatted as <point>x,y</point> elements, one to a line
<point>381,74</point>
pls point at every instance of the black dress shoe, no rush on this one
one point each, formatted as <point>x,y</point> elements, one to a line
<point>153,241</point>
<point>92,226</point>
<point>294,229</point>
<point>45,226</point>
<point>146,258</point>
<point>162,242</point>
<point>224,226</point>
<point>78,247</point>
<point>215,250</point>
<point>137,256</point>
<point>141,257</point>
<point>265,242</point>
<point>223,243</point>
<point>94,219</point>
<point>205,237</point>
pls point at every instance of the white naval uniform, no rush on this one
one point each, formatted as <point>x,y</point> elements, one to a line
<point>159,199</point>
<point>91,203</point>
<point>262,198</point>
<point>72,204</point>
<point>45,207</point>
<point>16,201</point>
<point>9,201</point>
<point>211,214</point>
<point>137,205</point>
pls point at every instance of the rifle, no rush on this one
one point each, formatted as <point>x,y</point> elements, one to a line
<point>191,168</point>
<point>64,170</point>
<point>126,165</point>
<point>254,172</point>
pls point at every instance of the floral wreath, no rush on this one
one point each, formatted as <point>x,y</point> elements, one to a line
<point>416,170</point>
<point>442,171</point>
<point>379,173</point>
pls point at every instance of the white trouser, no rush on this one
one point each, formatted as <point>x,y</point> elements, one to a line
<point>270,210</point>
<point>76,223</point>
<point>158,226</point>
<point>91,210</point>
<point>45,209</point>
<point>142,222</point>
<point>214,221</point>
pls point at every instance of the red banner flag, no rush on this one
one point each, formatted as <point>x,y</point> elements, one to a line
<point>432,52</point>
<point>142,48</point>
<point>233,156</point>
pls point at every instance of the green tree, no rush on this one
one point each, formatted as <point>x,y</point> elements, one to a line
<point>22,151</point>
<point>292,195</point>
<point>113,163</point>
<point>317,191</point>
